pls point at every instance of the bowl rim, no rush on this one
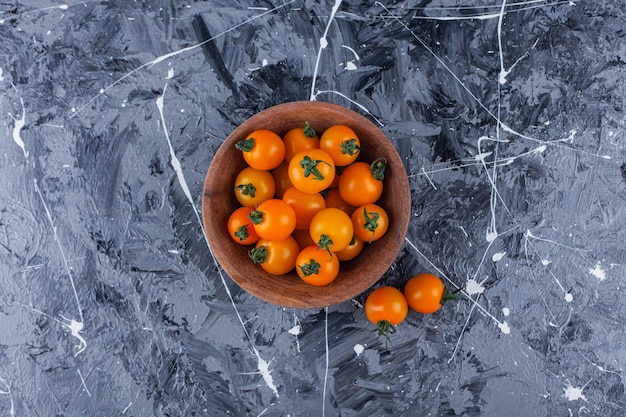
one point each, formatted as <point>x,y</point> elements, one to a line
<point>324,296</point>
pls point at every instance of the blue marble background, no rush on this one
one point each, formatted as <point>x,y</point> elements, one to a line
<point>509,114</point>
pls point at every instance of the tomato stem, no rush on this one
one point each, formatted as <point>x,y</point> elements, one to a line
<point>308,131</point>
<point>258,255</point>
<point>242,233</point>
<point>247,189</point>
<point>310,268</point>
<point>447,296</point>
<point>350,147</point>
<point>378,168</point>
<point>255,216</point>
<point>245,145</point>
<point>384,328</point>
<point>324,243</point>
<point>310,167</point>
<point>371,223</point>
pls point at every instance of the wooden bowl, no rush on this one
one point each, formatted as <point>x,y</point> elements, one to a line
<point>289,290</point>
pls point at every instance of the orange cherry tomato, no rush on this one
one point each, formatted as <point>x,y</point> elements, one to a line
<point>316,266</point>
<point>333,199</point>
<point>262,149</point>
<point>253,186</point>
<point>303,237</point>
<point>341,143</point>
<point>331,229</point>
<point>362,183</point>
<point>386,307</point>
<point>351,251</point>
<point>300,139</point>
<point>281,179</point>
<point>276,257</point>
<point>370,222</point>
<point>273,219</point>
<point>305,205</point>
<point>425,293</point>
<point>311,171</point>
<point>240,228</point>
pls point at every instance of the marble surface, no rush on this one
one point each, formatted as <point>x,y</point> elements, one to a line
<point>509,114</point>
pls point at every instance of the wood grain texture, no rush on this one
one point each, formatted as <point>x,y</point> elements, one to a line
<point>289,290</point>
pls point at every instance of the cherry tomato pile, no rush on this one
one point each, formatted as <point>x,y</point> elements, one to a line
<point>307,201</point>
<point>387,306</point>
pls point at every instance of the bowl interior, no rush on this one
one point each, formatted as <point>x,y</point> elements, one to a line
<point>289,290</point>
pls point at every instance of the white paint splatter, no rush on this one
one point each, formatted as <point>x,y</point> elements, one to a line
<point>545,262</point>
<point>574,393</point>
<point>506,311</point>
<point>170,73</point>
<point>598,272</point>
<point>63,6</point>
<point>1,76</point>
<point>498,256</point>
<point>474,287</point>
<point>264,368</point>
<point>350,66</point>
<point>17,129</point>
<point>569,297</point>
<point>295,330</point>
<point>504,327</point>
<point>358,349</point>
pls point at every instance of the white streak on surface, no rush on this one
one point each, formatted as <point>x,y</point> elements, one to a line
<point>173,54</point>
<point>296,330</point>
<point>323,45</point>
<point>429,180</point>
<point>327,361</point>
<point>75,327</point>
<point>527,241</point>
<point>17,127</point>
<point>263,365</point>
<point>356,103</point>
<point>82,380</point>
<point>356,56</point>
<point>503,72</point>
<point>6,390</point>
